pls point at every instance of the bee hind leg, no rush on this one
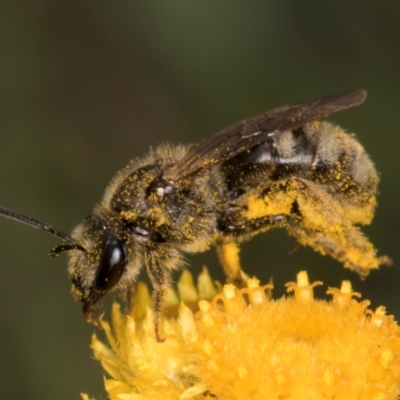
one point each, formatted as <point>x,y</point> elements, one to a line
<point>323,224</point>
<point>348,245</point>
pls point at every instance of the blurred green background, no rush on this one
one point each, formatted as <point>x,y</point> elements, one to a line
<point>87,85</point>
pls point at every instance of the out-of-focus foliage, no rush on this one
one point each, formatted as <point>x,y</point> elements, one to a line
<point>87,85</point>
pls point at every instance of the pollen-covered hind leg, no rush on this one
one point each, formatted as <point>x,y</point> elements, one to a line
<point>322,224</point>
<point>228,254</point>
<point>348,245</point>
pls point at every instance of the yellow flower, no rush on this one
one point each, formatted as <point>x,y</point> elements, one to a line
<point>242,345</point>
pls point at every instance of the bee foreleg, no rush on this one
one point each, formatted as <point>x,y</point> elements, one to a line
<point>130,298</point>
<point>159,278</point>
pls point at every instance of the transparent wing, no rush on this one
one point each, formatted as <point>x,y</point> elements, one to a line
<point>255,130</point>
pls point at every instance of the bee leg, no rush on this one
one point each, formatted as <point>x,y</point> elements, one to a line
<point>251,227</point>
<point>159,277</point>
<point>228,251</point>
<point>322,223</point>
<point>129,299</point>
<point>349,246</point>
<point>228,254</point>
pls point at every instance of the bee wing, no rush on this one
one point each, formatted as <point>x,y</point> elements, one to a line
<point>255,130</point>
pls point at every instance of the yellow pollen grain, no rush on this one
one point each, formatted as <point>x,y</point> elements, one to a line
<point>128,215</point>
<point>256,207</point>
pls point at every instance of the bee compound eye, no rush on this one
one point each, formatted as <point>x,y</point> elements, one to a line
<point>112,265</point>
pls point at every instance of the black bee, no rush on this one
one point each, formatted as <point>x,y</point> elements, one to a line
<point>282,168</point>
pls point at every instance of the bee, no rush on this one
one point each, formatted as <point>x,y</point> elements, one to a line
<point>283,168</point>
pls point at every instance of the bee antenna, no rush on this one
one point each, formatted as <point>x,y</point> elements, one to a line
<point>40,225</point>
<point>65,247</point>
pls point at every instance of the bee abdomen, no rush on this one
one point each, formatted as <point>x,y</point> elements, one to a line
<point>320,152</point>
<point>282,155</point>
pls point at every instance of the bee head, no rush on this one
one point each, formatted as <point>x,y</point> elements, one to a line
<point>105,259</point>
